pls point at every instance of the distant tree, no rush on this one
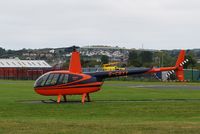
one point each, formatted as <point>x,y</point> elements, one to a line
<point>88,63</point>
<point>133,59</point>
<point>2,51</point>
<point>65,65</point>
<point>157,58</point>
<point>191,60</point>
<point>146,58</point>
<point>168,60</point>
<point>198,54</point>
<point>10,51</point>
<point>104,59</point>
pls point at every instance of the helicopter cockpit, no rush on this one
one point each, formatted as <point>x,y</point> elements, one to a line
<point>51,79</point>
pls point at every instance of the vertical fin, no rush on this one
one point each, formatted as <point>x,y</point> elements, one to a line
<point>181,58</point>
<point>180,74</point>
<point>75,63</point>
<point>179,64</point>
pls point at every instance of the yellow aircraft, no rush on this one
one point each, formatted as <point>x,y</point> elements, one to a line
<point>112,66</point>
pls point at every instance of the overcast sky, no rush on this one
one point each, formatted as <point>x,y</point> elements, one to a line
<point>157,24</point>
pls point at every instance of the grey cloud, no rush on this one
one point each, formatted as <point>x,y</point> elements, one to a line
<point>157,24</point>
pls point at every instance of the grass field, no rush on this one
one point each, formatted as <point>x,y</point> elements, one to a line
<point>119,108</point>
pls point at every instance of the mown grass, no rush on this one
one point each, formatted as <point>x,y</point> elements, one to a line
<point>118,108</point>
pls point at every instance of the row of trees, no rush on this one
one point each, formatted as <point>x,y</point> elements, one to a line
<point>147,59</point>
<point>159,59</point>
<point>137,58</point>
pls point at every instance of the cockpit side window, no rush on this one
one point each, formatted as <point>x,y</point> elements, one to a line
<point>41,81</point>
<point>63,79</point>
<point>48,81</point>
<point>54,79</point>
<point>60,79</point>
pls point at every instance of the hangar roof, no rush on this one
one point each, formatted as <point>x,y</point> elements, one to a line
<point>16,63</point>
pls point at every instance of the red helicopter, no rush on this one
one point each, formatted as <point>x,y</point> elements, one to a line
<point>74,82</point>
